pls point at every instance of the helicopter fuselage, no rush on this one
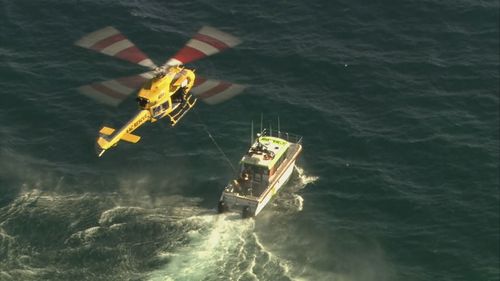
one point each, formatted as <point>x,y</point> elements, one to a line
<point>167,94</point>
<point>166,91</point>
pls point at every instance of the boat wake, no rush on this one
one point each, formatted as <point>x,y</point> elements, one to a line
<point>303,178</point>
<point>289,200</point>
<point>224,247</point>
<point>141,234</point>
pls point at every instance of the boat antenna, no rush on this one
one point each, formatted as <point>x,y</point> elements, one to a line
<point>261,117</point>
<point>279,131</point>
<point>251,135</point>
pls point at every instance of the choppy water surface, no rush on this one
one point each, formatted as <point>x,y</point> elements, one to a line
<point>398,104</point>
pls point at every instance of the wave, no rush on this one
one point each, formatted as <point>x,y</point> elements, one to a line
<point>223,247</point>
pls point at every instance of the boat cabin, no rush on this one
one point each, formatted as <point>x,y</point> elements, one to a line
<point>260,165</point>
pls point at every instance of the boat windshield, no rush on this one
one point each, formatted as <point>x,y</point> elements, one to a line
<point>253,180</point>
<point>254,173</point>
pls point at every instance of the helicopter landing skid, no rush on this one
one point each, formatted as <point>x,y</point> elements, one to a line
<point>181,110</point>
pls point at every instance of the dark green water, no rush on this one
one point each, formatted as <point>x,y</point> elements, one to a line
<point>398,103</point>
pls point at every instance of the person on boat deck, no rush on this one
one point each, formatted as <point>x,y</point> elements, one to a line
<point>236,186</point>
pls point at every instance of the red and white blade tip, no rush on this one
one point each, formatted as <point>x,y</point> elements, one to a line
<point>213,91</point>
<point>113,92</point>
<point>112,42</point>
<point>206,42</point>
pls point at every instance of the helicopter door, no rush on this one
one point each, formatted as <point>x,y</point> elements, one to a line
<point>157,111</point>
<point>178,96</point>
<point>160,110</point>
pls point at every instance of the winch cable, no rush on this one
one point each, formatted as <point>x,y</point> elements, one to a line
<point>214,142</point>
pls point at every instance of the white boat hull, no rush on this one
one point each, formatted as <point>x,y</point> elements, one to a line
<point>277,186</point>
<point>252,206</point>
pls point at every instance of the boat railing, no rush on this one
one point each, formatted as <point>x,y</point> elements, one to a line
<point>284,135</point>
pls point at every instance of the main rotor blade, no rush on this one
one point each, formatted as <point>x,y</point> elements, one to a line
<point>111,42</point>
<point>214,91</point>
<point>113,92</point>
<point>206,42</point>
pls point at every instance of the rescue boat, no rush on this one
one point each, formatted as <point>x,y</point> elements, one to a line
<point>263,171</point>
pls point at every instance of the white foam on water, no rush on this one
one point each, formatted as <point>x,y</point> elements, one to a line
<point>305,179</point>
<point>298,201</point>
<point>288,200</point>
<point>219,247</point>
<point>225,247</point>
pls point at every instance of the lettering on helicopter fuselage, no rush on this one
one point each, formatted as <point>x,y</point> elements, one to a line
<point>136,123</point>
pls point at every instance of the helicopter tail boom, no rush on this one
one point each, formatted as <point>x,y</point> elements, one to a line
<point>126,137</point>
<point>109,137</point>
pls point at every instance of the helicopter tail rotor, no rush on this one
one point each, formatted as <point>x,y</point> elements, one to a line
<point>208,41</point>
<point>111,42</point>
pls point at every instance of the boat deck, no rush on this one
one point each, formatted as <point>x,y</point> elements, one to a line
<point>255,190</point>
<point>264,170</point>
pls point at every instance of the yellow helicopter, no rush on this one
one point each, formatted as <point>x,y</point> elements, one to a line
<point>170,90</point>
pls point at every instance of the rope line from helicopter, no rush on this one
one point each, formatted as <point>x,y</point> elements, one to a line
<point>215,142</point>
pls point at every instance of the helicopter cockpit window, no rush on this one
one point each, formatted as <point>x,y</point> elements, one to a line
<point>157,111</point>
<point>142,102</point>
<point>173,87</point>
<point>165,105</point>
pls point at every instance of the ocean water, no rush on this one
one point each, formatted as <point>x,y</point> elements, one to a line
<point>397,101</point>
